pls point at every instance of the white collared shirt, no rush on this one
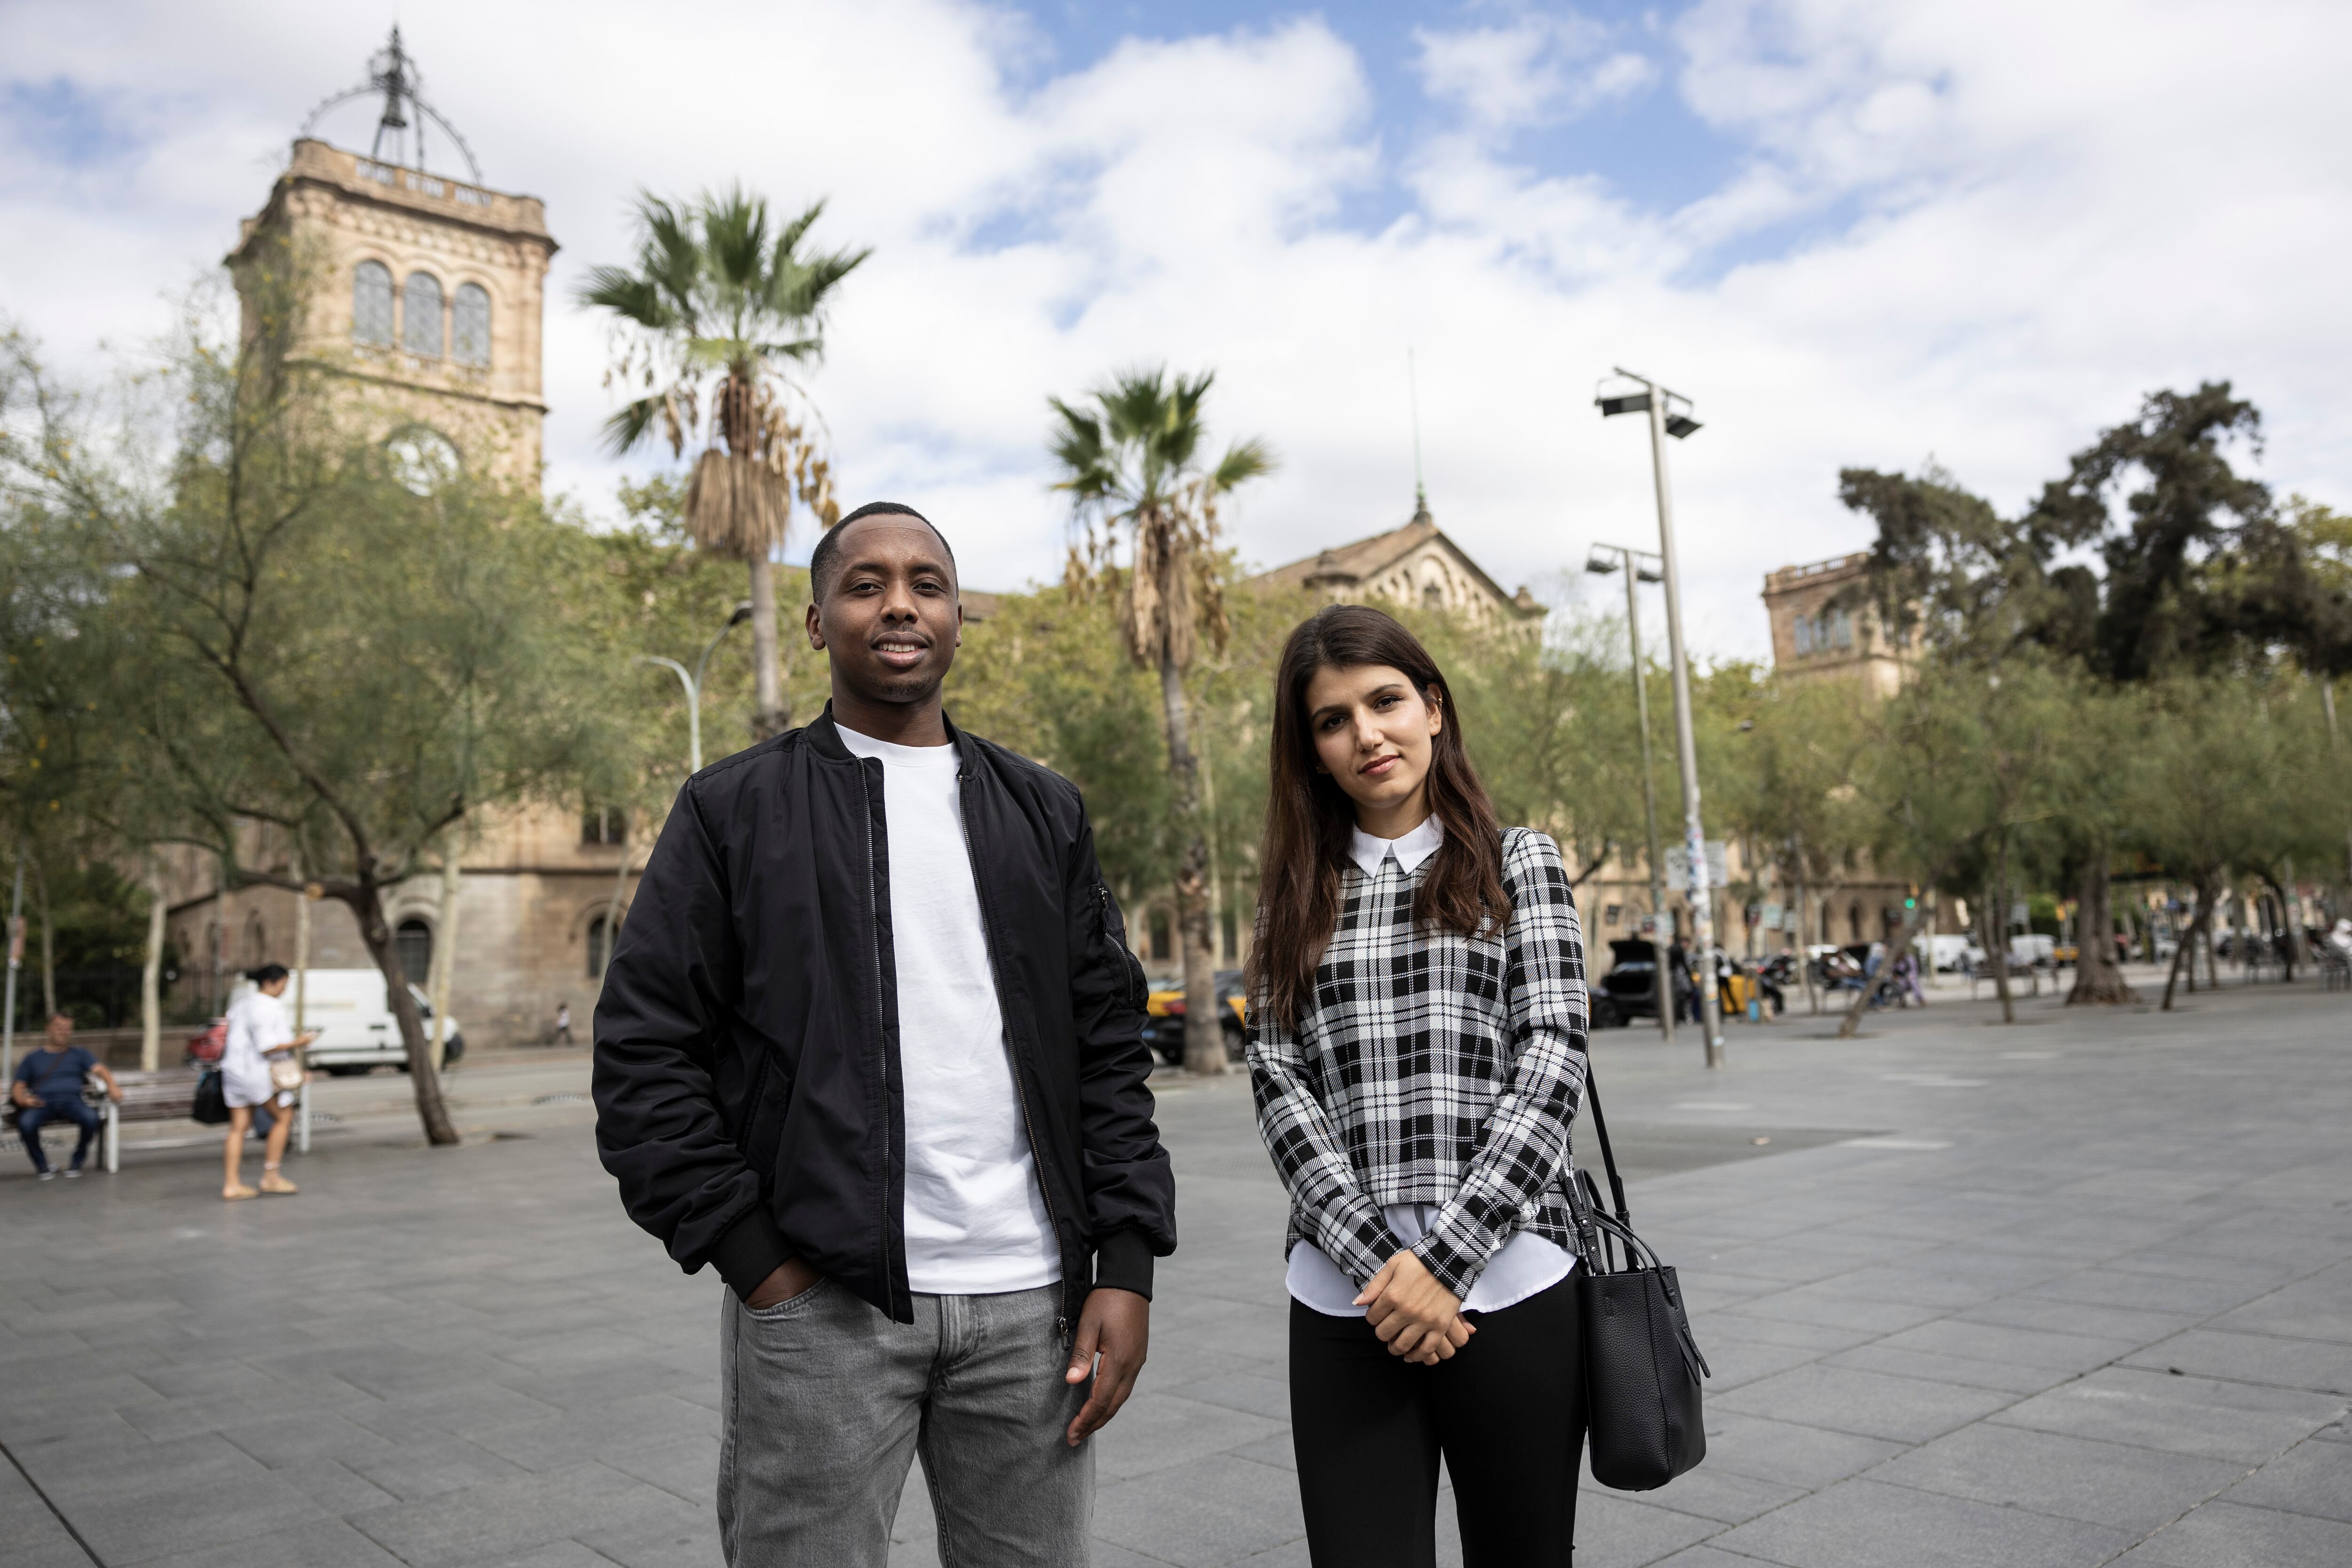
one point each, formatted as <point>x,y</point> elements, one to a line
<point>1411,851</point>
<point>1525,1264</point>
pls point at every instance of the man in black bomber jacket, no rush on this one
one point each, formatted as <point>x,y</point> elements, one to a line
<point>870,1045</point>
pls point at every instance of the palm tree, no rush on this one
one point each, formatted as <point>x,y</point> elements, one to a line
<point>1130,462</point>
<point>720,309</point>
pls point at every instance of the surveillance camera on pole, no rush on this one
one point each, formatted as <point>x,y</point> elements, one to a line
<point>1670,415</point>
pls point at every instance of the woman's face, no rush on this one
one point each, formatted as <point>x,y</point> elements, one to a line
<point>1371,732</point>
<point>277,987</point>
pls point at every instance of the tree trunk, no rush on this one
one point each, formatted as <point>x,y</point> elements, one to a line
<point>423,1080</point>
<point>769,714</point>
<point>444,952</point>
<point>151,975</point>
<point>49,946</point>
<point>2184,951</point>
<point>1884,981</point>
<point>2098,978</point>
<point>2290,921</point>
<point>1204,1035</point>
<point>612,908</point>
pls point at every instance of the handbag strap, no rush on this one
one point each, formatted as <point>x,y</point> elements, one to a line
<point>1608,1155</point>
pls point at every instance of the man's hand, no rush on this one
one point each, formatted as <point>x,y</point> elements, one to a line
<point>1116,1326</point>
<point>789,1280</point>
<point>1415,1316</point>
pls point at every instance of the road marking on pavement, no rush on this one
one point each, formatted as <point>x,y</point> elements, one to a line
<point>1921,1145</point>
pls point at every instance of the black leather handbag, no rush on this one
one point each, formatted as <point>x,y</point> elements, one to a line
<point>1641,1367</point>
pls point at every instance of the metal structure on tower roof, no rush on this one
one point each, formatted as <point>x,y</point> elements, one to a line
<point>392,72</point>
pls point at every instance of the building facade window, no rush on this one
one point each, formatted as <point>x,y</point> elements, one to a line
<point>1802,630</point>
<point>1163,936</point>
<point>604,825</point>
<point>414,942</point>
<point>600,946</point>
<point>420,315</point>
<point>372,304</point>
<point>469,325</point>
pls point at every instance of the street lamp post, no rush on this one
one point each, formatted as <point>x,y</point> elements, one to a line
<point>693,683</point>
<point>1652,400</point>
<point>1601,560</point>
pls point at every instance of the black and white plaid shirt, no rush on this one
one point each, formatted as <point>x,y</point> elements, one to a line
<point>1431,1069</point>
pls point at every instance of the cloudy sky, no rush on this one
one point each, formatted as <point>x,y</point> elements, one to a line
<point>1855,231</point>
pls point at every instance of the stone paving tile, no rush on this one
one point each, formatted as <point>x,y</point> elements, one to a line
<point>2238,1423</point>
<point>2318,1307</point>
<point>1815,1337</point>
<point>519,1512</point>
<point>2225,1535</point>
<point>1257,1393</point>
<point>1736,1363</point>
<point>1866,1404</point>
<point>1704,1557</point>
<point>2058,1352</point>
<point>431,1469</point>
<point>1171,1430</point>
<point>1866,1522</point>
<point>2310,1478</point>
<point>1612,1531</point>
<point>1710,1491</point>
<point>2151,1292</point>
<point>1161,1514</point>
<point>1786,1452</point>
<point>2009,1377</point>
<point>1826,1306</point>
<point>2079,1318</point>
<point>2315,1364</point>
<point>334,1486</point>
<point>320,1543</point>
<point>2132,1490</point>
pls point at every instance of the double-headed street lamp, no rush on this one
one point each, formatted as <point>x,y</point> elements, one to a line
<point>1641,566</point>
<point>693,683</point>
<point>1670,415</point>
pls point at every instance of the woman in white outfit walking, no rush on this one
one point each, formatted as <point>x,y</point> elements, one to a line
<point>258,1067</point>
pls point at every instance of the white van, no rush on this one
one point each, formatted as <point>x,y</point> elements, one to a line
<point>352,1014</point>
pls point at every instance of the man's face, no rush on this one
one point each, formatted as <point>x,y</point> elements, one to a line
<point>889,618</point>
<point>60,1032</point>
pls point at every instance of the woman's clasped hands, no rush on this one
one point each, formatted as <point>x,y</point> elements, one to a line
<point>1415,1316</point>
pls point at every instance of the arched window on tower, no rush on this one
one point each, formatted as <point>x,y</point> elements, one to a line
<point>469,325</point>
<point>414,942</point>
<point>420,315</point>
<point>372,304</point>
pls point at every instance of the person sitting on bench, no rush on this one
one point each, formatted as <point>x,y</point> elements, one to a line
<point>47,1088</point>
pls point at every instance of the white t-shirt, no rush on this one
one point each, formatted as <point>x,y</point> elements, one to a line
<point>1524,1265</point>
<point>257,1026</point>
<point>975,1215</point>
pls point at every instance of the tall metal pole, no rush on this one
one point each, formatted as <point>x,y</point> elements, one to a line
<point>1686,741</point>
<point>1629,562</point>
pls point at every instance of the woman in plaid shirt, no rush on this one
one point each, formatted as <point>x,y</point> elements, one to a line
<point>1417,1035</point>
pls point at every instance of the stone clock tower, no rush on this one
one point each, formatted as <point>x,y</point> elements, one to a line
<point>428,289</point>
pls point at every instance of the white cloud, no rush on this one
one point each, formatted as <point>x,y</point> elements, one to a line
<point>2021,217</point>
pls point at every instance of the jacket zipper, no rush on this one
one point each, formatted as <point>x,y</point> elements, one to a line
<point>874,925</point>
<point>1020,1092</point>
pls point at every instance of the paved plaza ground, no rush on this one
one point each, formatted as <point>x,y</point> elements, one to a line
<point>2075,1292</point>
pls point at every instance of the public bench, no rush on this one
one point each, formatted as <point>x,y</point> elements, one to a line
<point>168,1095</point>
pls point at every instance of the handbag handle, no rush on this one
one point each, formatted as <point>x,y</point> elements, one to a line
<point>1608,1155</point>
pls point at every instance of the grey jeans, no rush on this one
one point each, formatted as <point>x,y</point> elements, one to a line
<point>826,1403</point>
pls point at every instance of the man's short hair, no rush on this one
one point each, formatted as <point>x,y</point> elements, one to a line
<point>824,561</point>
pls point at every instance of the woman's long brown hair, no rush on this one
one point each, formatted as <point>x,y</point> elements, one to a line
<point>1310,821</point>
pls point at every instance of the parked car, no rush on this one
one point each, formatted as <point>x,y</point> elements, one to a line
<point>1629,990</point>
<point>352,1014</point>
<point>1164,1024</point>
<point>1954,952</point>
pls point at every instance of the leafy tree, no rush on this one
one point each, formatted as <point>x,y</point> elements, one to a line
<point>720,309</point>
<point>321,671</point>
<point>1130,463</point>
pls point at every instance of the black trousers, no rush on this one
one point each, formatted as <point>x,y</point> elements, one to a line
<point>1507,1413</point>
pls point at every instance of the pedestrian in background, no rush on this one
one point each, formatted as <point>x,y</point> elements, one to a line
<point>1417,1051</point>
<point>563,1032</point>
<point>48,1087</point>
<point>258,1068</point>
<point>873,1049</point>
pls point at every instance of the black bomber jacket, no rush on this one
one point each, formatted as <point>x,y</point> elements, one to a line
<point>747,1080</point>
